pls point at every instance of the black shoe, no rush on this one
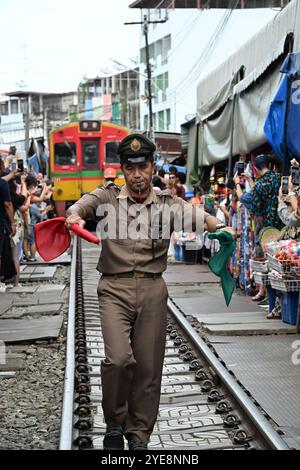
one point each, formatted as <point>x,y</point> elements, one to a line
<point>134,443</point>
<point>263,303</point>
<point>113,439</point>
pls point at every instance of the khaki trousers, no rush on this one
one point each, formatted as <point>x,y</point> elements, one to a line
<point>133,321</point>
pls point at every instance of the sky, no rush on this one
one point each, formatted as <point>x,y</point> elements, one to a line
<point>64,41</point>
<point>51,45</point>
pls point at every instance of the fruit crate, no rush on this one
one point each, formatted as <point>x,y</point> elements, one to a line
<point>282,266</point>
<point>259,266</point>
<point>283,284</point>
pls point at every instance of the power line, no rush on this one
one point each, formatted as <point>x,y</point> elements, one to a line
<point>183,87</point>
<point>189,29</point>
<point>202,60</point>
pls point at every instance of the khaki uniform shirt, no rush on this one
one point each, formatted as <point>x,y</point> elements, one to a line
<point>145,252</point>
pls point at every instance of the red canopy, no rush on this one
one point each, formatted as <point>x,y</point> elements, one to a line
<point>52,238</point>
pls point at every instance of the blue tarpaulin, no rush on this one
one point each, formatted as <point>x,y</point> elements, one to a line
<point>282,126</point>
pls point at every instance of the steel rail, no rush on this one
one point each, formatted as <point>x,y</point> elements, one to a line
<point>66,429</point>
<point>257,418</point>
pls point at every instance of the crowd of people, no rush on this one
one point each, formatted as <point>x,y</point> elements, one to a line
<point>252,200</point>
<point>173,180</point>
<point>25,199</point>
<point>256,198</point>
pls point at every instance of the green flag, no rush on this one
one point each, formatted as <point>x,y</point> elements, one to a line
<point>218,262</point>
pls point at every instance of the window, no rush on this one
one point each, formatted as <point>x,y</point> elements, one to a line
<point>154,120</point>
<point>143,55</point>
<point>165,48</point>
<point>4,109</point>
<point>90,152</point>
<point>157,48</point>
<point>165,86</point>
<point>146,122</point>
<point>161,83</point>
<point>161,122</point>
<point>111,155</point>
<point>65,153</point>
<point>168,119</point>
<point>14,106</point>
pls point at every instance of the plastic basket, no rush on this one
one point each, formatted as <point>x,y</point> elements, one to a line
<point>284,285</point>
<point>261,278</point>
<point>282,266</point>
<point>259,266</point>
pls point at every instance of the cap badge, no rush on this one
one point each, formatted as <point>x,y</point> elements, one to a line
<point>135,145</point>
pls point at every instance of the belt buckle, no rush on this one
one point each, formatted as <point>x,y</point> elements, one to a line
<point>138,274</point>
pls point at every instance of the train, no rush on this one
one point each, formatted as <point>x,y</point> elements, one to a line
<point>79,153</point>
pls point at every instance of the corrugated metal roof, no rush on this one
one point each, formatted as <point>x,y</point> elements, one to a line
<point>204,4</point>
<point>255,55</point>
<point>262,67</point>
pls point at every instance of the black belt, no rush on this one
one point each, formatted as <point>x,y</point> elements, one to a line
<point>134,274</point>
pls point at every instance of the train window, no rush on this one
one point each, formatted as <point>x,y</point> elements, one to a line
<point>65,153</point>
<point>90,152</point>
<point>111,155</point>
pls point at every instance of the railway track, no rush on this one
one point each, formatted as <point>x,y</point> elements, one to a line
<point>202,405</point>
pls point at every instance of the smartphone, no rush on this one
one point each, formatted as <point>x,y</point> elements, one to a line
<point>20,165</point>
<point>285,184</point>
<point>240,168</point>
<point>167,176</point>
<point>13,166</point>
<point>295,174</point>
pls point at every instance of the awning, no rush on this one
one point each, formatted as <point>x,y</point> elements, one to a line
<point>239,127</point>
<point>260,69</point>
<point>217,101</point>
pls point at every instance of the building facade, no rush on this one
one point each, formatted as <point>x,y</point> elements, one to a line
<point>114,98</point>
<point>189,44</point>
<point>26,114</point>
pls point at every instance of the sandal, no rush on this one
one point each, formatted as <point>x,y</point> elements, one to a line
<point>258,298</point>
<point>274,315</point>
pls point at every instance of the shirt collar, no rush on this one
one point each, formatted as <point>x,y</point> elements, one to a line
<point>124,193</point>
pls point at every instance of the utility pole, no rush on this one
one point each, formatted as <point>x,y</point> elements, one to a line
<point>145,24</point>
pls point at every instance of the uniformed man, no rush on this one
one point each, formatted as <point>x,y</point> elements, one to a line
<point>133,294</point>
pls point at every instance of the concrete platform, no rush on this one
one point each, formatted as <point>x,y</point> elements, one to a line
<point>12,331</point>
<point>266,366</point>
<point>42,302</point>
<point>37,273</point>
<point>258,351</point>
<point>185,274</point>
<point>205,301</point>
<point>31,311</point>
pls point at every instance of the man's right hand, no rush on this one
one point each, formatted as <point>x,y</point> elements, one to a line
<point>74,219</point>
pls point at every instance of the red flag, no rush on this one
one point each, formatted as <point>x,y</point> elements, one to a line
<point>81,232</point>
<point>52,238</point>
